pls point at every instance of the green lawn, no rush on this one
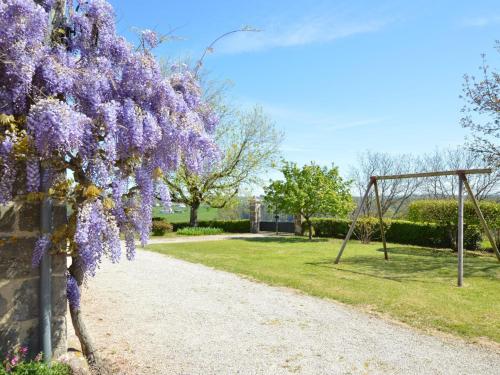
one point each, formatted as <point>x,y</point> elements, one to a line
<point>416,286</point>
<point>204,213</point>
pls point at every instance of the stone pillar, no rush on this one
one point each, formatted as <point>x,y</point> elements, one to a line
<point>255,214</point>
<point>297,220</point>
<point>19,282</point>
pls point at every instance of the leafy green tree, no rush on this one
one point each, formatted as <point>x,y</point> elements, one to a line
<point>248,143</point>
<point>309,191</point>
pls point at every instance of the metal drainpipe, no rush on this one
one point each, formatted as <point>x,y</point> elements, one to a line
<point>45,314</point>
<point>45,318</point>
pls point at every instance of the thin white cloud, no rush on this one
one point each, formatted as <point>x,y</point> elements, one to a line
<point>354,124</point>
<point>313,29</point>
<point>320,121</point>
<point>480,21</point>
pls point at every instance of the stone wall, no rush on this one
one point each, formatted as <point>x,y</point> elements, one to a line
<point>19,282</point>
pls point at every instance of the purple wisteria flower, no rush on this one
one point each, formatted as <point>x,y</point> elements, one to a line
<point>164,194</point>
<point>85,105</point>
<point>56,127</point>
<point>150,38</point>
<point>42,245</point>
<point>23,25</point>
<point>97,234</point>
<point>72,292</point>
<point>32,175</point>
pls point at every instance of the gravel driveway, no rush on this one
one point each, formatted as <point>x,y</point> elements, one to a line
<point>161,315</point>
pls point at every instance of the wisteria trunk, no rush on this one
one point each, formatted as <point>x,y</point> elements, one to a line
<point>88,347</point>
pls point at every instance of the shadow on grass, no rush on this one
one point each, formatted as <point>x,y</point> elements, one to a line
<point>284,239</point>
<point>411,264</point>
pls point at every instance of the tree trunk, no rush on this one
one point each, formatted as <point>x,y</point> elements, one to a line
<point>88,348</point>
<point>193,215</point>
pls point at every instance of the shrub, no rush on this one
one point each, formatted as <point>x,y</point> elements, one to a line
<point>160,227</point>
<point>421,234</point>
<point>472,237</point>
<point>15,363</point>
<point>400,231</point>
<point>368,228</point>
<point>37,368</point>
<point>199,231</point>
<point>337,228</point>
<point>445,211</point>
<point>228,226</point>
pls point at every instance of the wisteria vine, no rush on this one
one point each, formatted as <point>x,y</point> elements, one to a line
<point>102,116</point>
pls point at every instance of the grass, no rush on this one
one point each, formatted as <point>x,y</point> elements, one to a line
<point>204,213</point>
<point>199,231</point>
<point>485,244</point>
<point>416,286</point>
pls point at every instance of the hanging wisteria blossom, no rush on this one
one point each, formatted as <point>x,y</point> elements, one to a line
<point>102,116</point>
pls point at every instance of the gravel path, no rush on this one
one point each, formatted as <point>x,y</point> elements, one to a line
<point>166,316</point>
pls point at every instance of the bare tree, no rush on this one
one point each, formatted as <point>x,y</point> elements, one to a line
<point>248,143</point>
<point>393,193</point>
<point>445,187</point>
<point>482,112</point>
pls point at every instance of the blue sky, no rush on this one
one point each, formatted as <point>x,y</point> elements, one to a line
<point>338,77</point>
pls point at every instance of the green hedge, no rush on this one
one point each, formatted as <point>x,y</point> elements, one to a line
<point>336,228</point>
<point>445,211</point>
<point>228,226</point>
<point>403,232</point>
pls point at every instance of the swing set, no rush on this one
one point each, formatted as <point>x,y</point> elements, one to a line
<point>462,181</point>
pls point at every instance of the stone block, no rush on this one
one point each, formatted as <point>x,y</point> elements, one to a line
<point>59,303</point>
<point>20,284</point>
<point>59,336</point>
<point>25,299</point>
<point>19,298</point>
<point>19,307</point>
<point>26,333</point>
<point>29,217</point>
<point>7,218</point>
<point>20,333</point>
<point>15,258</point>
<point>59,215</point>
<point>59,264</point>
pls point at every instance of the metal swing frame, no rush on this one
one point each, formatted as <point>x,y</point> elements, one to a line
<point>462,181</point>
